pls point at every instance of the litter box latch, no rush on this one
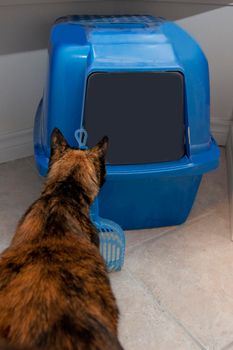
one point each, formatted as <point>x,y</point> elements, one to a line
<point>81,137</point>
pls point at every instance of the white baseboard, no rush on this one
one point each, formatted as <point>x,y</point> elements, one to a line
<point>16,145</point>
<point>220,130</point>
<point>229,155</point>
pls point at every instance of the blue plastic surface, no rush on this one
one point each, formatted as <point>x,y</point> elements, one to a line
<point>135,196</point>
<point>112,239</point>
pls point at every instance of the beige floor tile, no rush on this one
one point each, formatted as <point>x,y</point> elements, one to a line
<point>228,347</point>
<point>19,187</point>
<point>18,173</point>
<point>143,324</point>
<point>190,272</point>
<point>137,237</point>
<point>32,162</point>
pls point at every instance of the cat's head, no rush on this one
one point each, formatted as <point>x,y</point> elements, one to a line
<point>85,167</point>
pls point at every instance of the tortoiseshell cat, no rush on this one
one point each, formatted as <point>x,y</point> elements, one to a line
<point>54,288</point>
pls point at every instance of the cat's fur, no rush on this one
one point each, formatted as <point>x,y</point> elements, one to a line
<point>6,346</point>
<point>55,293</point>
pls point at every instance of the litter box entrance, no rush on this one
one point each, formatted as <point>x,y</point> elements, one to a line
<point>142,113</point>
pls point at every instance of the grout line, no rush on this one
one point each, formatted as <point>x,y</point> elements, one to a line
<point>150,238</point>
<point>171,230</point>
<point>201,216</point>
<point>228,346</point>
<point>167,312</point>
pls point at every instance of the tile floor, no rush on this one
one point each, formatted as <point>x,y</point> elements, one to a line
<point>176,288</point>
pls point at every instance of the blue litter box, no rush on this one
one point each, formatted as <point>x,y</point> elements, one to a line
<point>144,82</point>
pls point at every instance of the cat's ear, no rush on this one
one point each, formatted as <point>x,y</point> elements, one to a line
<point>101,148</point>
<point>58,145</point>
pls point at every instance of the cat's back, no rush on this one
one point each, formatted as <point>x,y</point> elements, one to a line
<point>56,293</point>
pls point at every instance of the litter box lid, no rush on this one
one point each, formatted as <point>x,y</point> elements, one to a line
<point>84,45</point>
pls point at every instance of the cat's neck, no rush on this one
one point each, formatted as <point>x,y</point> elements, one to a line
<point>70,192</point>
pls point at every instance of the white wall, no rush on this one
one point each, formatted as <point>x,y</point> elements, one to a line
<point>213,30</point>
<point>24,30</point>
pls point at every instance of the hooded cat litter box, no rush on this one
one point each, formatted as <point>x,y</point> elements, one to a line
<point>144,82</point>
